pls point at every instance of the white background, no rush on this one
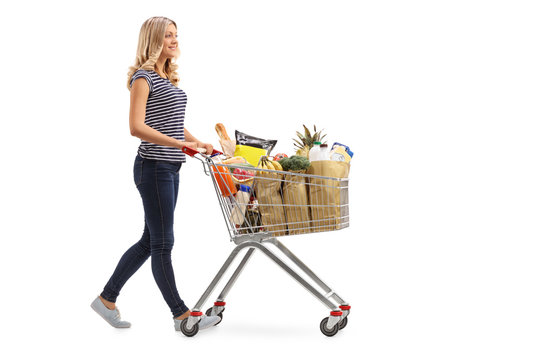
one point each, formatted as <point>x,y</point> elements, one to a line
<point>438,100</point>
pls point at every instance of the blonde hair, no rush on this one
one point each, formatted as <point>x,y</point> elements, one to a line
<point>149,48</point>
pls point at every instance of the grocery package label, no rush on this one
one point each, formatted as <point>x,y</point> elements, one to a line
<point>250,153</point>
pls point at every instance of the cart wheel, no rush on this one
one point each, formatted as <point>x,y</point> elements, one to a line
<point>325,330</point>
<point>189,333</point>
<point>342,323</point>
<point>209,313</point>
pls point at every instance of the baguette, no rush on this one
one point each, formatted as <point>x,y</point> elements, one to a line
<point>222,133</point>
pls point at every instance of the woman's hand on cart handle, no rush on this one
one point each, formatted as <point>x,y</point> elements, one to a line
<point>193,151</point>
<point>209,148</point>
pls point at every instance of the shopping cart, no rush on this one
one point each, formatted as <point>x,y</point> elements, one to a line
<point>273,203</point>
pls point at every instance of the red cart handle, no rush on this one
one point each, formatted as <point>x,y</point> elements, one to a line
<point>192,152</point>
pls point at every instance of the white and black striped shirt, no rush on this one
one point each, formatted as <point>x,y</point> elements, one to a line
<point>165,110</point>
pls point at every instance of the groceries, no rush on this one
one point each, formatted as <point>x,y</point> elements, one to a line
<point>242,174</point>
<point>251,154</point>
<point>240,169</point>
<point>341,152</point>
<point>242,201</point>
<point>305,141</point>
<point>319,152</point>
<point>295,194</point>
<point>224,180</point>
<point>252,223</point>
<point>302,193</point>
<point>314,152</point>
<point>234,160</point>
<point>328,198</point>
<point>280,156</point>
<point>248,140</point>
<point>222,133</point>
<point>227,144</point>
<point>325,152</point>
<point>252,148</point>
<point>268,190</point>
<point>295,163</point>
<point>266,163</point>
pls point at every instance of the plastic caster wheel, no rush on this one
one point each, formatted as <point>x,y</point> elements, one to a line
<point>189,333</point>
<point>209,313</point>
<point>326,331</point>
<point>342,323</point>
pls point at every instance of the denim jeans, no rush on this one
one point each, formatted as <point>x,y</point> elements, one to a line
<point>157,182</point>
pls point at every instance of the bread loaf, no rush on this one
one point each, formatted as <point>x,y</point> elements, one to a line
<point>222,133</point>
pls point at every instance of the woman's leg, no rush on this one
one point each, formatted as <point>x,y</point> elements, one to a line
<point>129,263</point>
<point>134,257</point>
<point>159,190</point>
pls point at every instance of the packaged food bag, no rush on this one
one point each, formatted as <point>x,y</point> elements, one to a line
<point>245,139</point>
<point>268,191</point>
<point>329,197</point>
<point>250,153</point>
<point>296,205</point>
<point>251,147</point>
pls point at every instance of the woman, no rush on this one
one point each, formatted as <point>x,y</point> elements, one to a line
<point>156,116</point>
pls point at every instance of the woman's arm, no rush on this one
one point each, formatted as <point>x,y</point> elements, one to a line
<point>137,112</point>
<point>190,138</point>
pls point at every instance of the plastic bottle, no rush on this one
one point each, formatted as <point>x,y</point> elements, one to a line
<point>315,151</point>
<point>325,152</point>
<point>242,201</point>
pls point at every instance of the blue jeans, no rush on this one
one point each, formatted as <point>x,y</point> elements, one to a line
<point>157,182</point>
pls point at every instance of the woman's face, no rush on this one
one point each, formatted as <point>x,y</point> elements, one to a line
<point>170,43</point>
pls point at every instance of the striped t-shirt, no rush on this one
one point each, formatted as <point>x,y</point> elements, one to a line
<point>165,110</point>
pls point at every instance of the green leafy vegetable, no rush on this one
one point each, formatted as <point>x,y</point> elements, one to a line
<point>295,163</point>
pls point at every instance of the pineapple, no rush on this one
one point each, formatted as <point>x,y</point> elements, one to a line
<point>305,141</point>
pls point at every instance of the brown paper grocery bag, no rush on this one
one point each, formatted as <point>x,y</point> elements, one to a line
<point>295,203</point>
<point>329,196</point>
<point>268,189</point>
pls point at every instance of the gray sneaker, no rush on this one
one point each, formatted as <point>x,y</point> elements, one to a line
<point>110,316</point>
<point>205,323</point>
